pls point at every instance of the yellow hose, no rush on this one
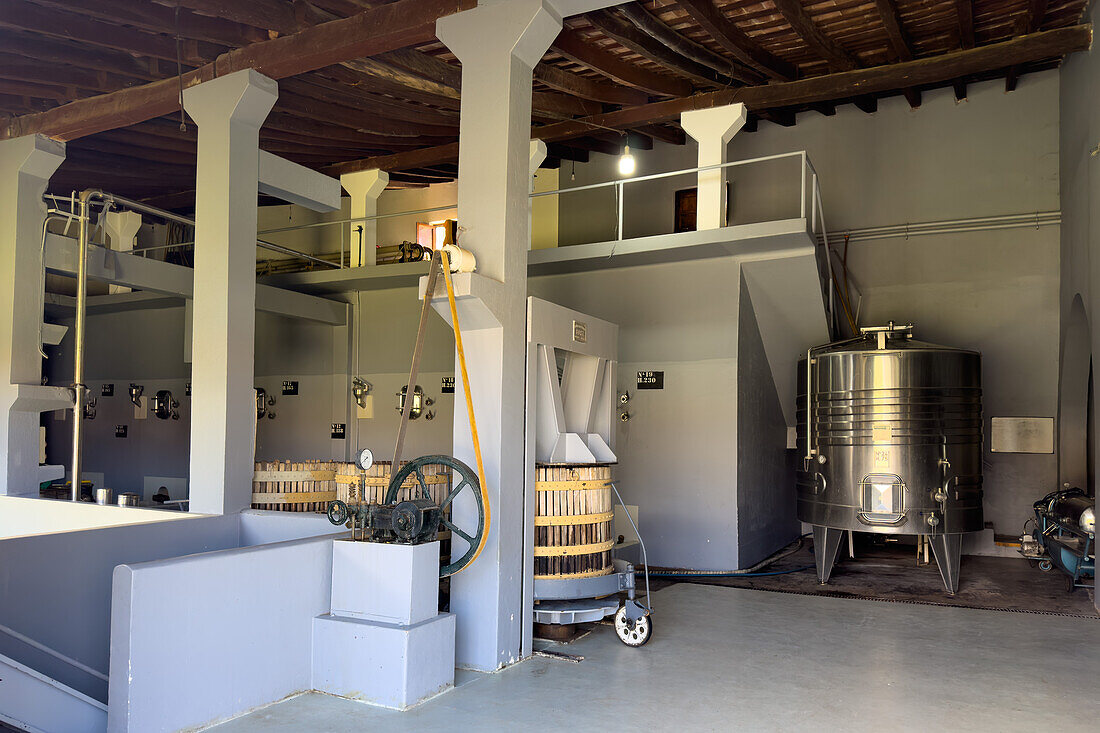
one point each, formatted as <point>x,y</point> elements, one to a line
<point>446,264</point>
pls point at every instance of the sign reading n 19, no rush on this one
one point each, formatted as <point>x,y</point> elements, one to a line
<point>651,380</point>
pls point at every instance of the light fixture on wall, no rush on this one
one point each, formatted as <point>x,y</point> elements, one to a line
<point>626,162</point>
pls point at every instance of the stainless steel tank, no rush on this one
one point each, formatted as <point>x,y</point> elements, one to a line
<point>893,444</point>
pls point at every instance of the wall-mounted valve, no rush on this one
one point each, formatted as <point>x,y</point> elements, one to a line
<point>165,406</point>
<point>89,409</point>
<point>360,388</point>
<point>136,391</point>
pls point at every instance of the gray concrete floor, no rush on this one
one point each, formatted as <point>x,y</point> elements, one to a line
<point>723,658</point>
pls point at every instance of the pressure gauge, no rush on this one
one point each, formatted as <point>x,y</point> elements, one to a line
<point>366,459</point>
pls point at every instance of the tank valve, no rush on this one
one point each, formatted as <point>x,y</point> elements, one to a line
<point>624,417</point>
<point>939,496</point>
<point>624,398</point>
<point>821,458</point>
<point>933,520</point>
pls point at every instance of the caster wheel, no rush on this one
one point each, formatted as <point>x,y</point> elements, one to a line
<point>633,633</point>
<point>1045,565</point>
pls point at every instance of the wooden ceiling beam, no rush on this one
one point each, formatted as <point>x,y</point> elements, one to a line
<point>572,46</point>
<point>639,42</point>
<point>567,152</point>
<point>1029,23</point>
<point>430,67</point>
<point>27,16</point>
<point>899,41</point>
<point>664,133</point>
<point>655,28</point>
<point>928,71</point>
<point>282,17</point>
<point>585,88</point>
<point>338,115</point>
<point>18,68</point>
<point>808,30</point>
<point>71,55</point>
<point>375,31</point>
<point>150,16</point>
<point>430,77</point>
<point>726,33</point>
<point>866,103</point>
<point>965,11</point>
<point>353,99</point>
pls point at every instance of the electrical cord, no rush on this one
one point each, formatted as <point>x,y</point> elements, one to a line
<point>734,574</point>
<point>747,572</point>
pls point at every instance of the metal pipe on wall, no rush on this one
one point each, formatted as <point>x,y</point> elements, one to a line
<point>79,388</point>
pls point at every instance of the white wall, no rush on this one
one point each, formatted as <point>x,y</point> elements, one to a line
<point>191,643</point>
<point>993,154</point>
<point>1080,270</point>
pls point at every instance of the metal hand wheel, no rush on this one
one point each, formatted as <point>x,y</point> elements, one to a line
<point>463,478</point>
<point>338,512</point>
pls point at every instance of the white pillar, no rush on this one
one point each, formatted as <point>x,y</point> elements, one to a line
<point>364,187</point>
<point>498,44</point>
<point>229,112</point>
<point>536,154</point>
<point>122,228</point>
<point>26,164</point>
<point>713,129</point>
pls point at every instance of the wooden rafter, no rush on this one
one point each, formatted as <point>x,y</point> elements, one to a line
<point>374,31</point>
<point>899,40</point>
<point>27,16</point>
<point>629,35</point>
<point>807,29</point>
<point>1031,22</point>
<point>965,11</point>
<point>570,45</point>
<point>653,27</point>
<point>737,42</point>
<point>874,80</point>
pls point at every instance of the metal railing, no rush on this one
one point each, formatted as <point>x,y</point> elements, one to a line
<point>806,195</point>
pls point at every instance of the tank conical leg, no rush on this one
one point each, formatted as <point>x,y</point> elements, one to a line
<point>826,546</point>
<point>948,551</point>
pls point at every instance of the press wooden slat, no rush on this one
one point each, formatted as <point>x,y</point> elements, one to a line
<point>572,521</point>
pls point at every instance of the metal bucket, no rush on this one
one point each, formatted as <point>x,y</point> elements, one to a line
<point>128,498</point>
<point>103,496</point>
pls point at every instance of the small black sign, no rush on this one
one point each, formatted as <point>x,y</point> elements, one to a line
<point>338,430</point>
<point>120,431</point>
<point>290,388</point>
<point>447,386</point>
<point>187,390</point>
<point>651,380</point>
<point>108,390</point>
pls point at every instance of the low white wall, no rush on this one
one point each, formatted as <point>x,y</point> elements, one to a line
<point>56,588</point>
<point>264,527</point>
<point>203,638</point>
<point>22,517</point>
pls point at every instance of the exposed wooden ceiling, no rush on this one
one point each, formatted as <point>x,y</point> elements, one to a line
<point>364,83</point>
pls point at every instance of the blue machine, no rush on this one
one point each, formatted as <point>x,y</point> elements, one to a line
<point>1064,536</point>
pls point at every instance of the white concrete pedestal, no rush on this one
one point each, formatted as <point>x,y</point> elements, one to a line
<point>384,641</point>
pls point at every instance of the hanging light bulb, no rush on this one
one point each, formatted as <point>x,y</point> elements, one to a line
<point>626,162</point>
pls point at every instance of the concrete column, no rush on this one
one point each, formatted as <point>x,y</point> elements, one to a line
<point>122,228</point>
<point>26,164</point>
<point>536,154</point>
<point>229,112</point>
<point>364,187</point>
<point>498,44</point>
<point>713,129</point>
